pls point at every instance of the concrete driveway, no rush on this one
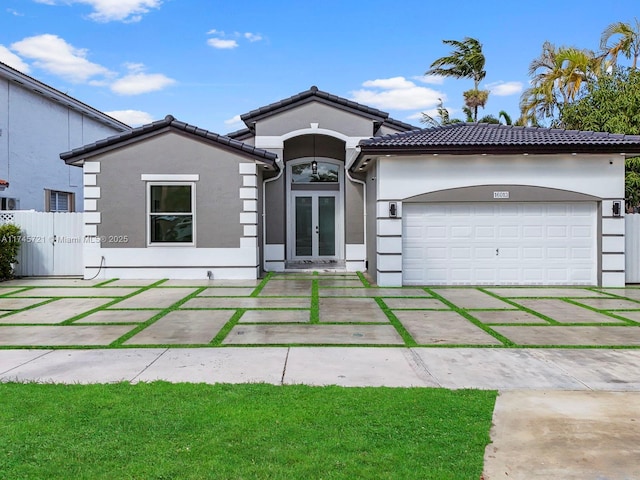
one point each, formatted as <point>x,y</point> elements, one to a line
<point>311,309</point>
<point>564,359</point>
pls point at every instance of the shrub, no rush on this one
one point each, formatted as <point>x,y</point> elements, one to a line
<point>9,248</point>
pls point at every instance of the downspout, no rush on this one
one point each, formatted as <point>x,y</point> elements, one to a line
<point>264,208</point>
<point>364,196</point>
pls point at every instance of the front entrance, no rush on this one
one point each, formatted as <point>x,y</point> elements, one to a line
<point>315,226</point>
<point>314,212</point>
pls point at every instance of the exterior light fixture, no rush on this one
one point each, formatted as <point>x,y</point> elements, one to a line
<point>314,167</point>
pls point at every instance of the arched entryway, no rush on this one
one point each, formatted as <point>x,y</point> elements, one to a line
<point>315,200</point>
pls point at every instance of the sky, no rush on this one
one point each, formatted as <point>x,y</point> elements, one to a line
<point>206,62</point>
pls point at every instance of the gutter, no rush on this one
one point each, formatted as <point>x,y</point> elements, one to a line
<point>347,166</point>
<point>280,165</point>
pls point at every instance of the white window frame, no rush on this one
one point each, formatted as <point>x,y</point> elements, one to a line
<point>193,214</point>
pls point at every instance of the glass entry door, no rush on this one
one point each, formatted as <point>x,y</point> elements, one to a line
<point>315,215</point>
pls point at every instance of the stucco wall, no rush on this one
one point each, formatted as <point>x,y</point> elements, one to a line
<point>35,130</point>
<point>326,116</point>
<point>122,203</point>
<point>598,175</point>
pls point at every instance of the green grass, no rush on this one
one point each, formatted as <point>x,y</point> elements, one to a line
<point>196,431</point>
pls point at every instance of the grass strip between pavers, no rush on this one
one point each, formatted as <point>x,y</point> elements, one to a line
<point>397,324</point>
<point>608,313</point>
<point>226,329</point>
<point>119,342</point>
<point>314,316</point>
<point>363,279</point>
<point>194,431</point>
<point>522,307</point>
<point>262,284</point>
<point>461,311</point>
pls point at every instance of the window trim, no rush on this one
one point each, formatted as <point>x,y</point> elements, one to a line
<point>71,201</point>
<point>149,213</point>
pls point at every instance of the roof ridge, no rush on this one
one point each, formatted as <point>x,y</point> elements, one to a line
<point>90,111</point>
<point>171,121</point>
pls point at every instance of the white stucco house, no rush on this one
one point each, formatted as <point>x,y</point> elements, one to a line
<point>37,122</point>
<point>319,181</point>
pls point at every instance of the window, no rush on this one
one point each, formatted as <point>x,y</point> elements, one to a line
<point>56,201</point>
<point>314,172</point>
<point>170,213</point>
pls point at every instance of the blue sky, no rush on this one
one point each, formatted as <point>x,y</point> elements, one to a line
<point>207,61</point>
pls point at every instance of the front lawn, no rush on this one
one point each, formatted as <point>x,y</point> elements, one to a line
<point>195,431</point>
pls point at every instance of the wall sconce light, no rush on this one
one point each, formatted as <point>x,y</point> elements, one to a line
<point>617,208</point>
<point>314,167</point>
<point>393,209</point>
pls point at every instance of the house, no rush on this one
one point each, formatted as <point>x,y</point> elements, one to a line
<point>37,122</point>
<point>319,181</point>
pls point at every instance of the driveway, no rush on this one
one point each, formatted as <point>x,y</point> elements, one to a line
<point>564,359</point>
<point>311,309</point>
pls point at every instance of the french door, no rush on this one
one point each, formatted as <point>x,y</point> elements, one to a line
<point>315,231</point>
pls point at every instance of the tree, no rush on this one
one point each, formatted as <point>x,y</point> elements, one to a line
<point>628,43</point>
<point>465,61</point>
<point>612,104</point>
<point>558,75</point>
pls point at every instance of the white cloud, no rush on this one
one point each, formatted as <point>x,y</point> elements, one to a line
<point>11,59</point>
<point>504,89</point>
<point>429,79</point>
<point>137,82</point>
<point>397,93</point>
<point>222,44</point>
<point>15,13</point>
<point>233,121</point>
<point>131,117</point>
<point>389,83</point>
<point>113,10</point>
<point>54,55</point>
<point>253,37</point>
<point>418,115</point>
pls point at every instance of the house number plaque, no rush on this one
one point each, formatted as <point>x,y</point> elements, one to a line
<point>497,195</point>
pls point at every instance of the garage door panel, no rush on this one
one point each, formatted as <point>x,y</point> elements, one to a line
<point>490,243</point>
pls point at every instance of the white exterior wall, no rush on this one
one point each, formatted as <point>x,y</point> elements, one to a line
<point>34,131</point>
<point>400,178</point>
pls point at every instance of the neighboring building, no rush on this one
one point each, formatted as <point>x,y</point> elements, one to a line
<point>318,181</point>
<point>37,122</point>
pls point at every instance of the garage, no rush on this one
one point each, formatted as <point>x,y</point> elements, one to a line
<point>528,243</point>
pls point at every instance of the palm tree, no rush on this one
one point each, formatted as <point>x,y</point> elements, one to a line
<point>465,61</point>
<point>558,76</point>
<point>628,44</point>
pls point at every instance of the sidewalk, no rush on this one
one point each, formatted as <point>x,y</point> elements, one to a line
<point>454,368</point>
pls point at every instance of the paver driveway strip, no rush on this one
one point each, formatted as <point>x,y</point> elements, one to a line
<point>288,309</point>
<point>443,327</point>
<point>67,335</point>
<point>55,312</point>
<point>182,327</point>
<point>246,334</point>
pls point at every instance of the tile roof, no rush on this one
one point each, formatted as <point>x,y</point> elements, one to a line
<point>315,94</point>
<point>465,138</point>
<point>169,122</point>
<point>51,93</point>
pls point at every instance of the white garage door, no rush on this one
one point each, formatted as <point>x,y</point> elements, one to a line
<point>499,244</point>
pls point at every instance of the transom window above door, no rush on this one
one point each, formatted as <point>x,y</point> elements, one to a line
<point>315,172</point>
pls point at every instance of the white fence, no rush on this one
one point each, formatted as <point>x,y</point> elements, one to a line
<point>51,243</point>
